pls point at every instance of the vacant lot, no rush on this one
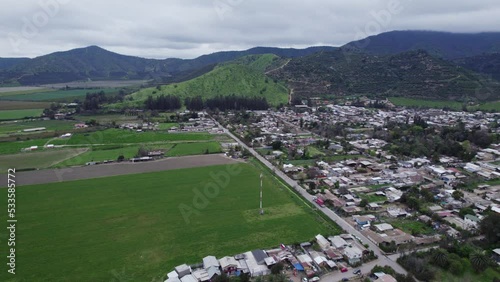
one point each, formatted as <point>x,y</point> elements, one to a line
<point>132,226</point>
<point>412,226</point>
<point>19,114</point>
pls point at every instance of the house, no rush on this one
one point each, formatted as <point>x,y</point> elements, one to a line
<point>183,270</point>
<point>322,242</point>
<point>496,255</point>
<point>338,242</point>
<point>189,278</point>
<point>471,221</point>
<point>353,255</point>
<point>382,277</point>
<point>383,227</point>
<point>209,261</point>
<point>256,266</point>
<point>228,264</point>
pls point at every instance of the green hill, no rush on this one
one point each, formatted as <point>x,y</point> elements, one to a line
<point>410,74</point>
<point>245,79</point>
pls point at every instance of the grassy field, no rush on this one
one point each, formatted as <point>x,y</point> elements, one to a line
<point>372,198</point>
<point>120,136</point>
<point>454,105</point>
<point>53,95</point>
<point>19,114</point>
<point>224,80</point>
<point>103,153</point>
<point>37,160</point>
<point>412,226</point>
<point>469,275</point>
<point>50,125</point>
<point>185,149</point>
<point>339,158</point>
<point>22,105</point>
<point>314,152</point>
<point>410,102</point>
<point>130,228</point>
<point>16,146</point>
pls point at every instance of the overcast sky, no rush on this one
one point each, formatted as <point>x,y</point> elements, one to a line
<point>189,28</point>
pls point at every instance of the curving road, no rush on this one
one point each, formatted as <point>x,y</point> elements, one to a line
<point>382,258</point>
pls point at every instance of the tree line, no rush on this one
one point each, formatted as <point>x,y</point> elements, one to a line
<point>223,103</point>
<point>163,103</point>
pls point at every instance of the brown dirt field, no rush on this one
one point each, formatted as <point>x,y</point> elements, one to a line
<point>104,170</point>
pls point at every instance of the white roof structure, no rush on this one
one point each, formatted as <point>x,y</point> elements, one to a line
<point>201,275</point>
<point>331,263</point>
<point>304,258</point>
<point>174,279</point>
<point>189,278</point>
<point>173,274</point>
<point>383,227</point>
<point>338,242</point>
<point>322,242</point>
<point>254,268</point>
<point>210,261</point>
<point>226,262</point>
<point>353,252</point>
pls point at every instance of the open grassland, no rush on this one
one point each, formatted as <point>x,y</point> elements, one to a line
<point>19,114</point>
<point>439,104</point>
<point>16,146</point>
<point>21,105</point>
<point>185,149</point>
<point>10,128</point>
<point>103,153</point>
<point>224,80</point>
<point>120,136</point>
<point>55,95</point>
<point>37,160</point>
<point>412,226</point>
<point>132,226</point>
<point>422,103</point>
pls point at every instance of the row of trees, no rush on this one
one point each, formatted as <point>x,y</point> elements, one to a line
<point>223,103</point>
<point>163,103</point>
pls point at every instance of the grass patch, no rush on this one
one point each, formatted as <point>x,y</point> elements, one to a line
<point>184,149</point>
<point>37,160</point>
<point>21,105</point>
<point>120,136</point>
<point>132,226</point>
<point>339,158</point>
<point>16,128</point>
<point>412,226</point>
<point>425,103</point>
<point>55,95</point>
<point>301,162</point>
<point>372,198</point>
<point>19,114</point>
<point>313,152</point>
<point>488,275</point>
<point>167,126</point>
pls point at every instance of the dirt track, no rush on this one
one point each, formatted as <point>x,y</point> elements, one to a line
<point>95,171</point>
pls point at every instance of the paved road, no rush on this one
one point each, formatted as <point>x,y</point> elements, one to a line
<point>382,259</point>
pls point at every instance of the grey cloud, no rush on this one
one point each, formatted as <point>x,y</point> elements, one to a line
<point>189,28</point>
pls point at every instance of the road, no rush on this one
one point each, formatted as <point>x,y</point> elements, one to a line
<point>382,258</point>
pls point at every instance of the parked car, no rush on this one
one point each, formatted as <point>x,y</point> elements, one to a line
<point>314,279</point>
<point>357,271</point>
<point>345,279</point>
<point>343,269</point>
<point>304,280</point>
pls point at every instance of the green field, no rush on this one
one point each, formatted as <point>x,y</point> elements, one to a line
<point>19,114</point>
<point>12,128</point>
<point>184,149</point>
<point>103,153</point>
<point>22,105</point>
<point>53,95</point>
<point>439,104</point>
<point>422,103</point>
<point>412,226</point>
<point>120,136</point>
<point>37,160</point>
<point>131,228</point>
<point>16,146</point>
<point>224,80</point>
<point>372,198</point>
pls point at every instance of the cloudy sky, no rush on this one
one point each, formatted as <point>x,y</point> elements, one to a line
<point>189,28</point>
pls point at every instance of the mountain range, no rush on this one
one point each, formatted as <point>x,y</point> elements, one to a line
<point>398,63</point>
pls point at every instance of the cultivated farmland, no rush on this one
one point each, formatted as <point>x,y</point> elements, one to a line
<point>132,226</point>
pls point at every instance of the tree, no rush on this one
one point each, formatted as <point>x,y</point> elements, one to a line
<point>121,158</point>
<point>277,268</point>
<point>363,203</point>
<point>479,261</point>
<point>440,258</point>
<point>276,145</point>
<point>490,227</point>
<point>465,211</point>
<point>457,195</point>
